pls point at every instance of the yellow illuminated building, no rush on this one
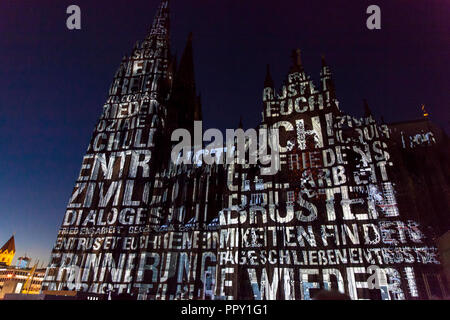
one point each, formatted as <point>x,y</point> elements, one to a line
<point>17,280</point>
<point>7,252</point>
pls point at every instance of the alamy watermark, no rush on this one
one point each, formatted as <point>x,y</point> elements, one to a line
<point>73,22</point>
<point>238,146</point>
<point>374,20</point>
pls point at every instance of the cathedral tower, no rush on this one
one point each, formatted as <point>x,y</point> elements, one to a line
<point>96,249</point>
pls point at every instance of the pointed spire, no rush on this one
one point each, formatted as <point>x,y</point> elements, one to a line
<point>382,120</point>
<point>198,109</point>
<point>186,104</point>
<point>367,111</point>
<point>268,82</point>
<point>9,246</point>
<point>185,72</point>
<point>159,31</point>
<point>240,125</point>
<point>296,60</point>
<point>298,57</point>
<point>324,63</point>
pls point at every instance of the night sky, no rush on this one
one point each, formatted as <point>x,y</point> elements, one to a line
<point>53,81</point>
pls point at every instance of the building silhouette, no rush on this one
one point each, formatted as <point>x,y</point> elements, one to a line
<point>350,204</point>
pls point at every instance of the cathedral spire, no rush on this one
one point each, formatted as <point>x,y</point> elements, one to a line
<point>297,57</point>
<point>198,109</point>
<point>185,72</point>
<point>186,105</point>
<point>296,60</point>
<point>268,82</point>
<point>367,111</point>
<point>324,63</point>
<point>159,35</point>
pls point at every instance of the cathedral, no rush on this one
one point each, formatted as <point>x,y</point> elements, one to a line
<point>354,204</point>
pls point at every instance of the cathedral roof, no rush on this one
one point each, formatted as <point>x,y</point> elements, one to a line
<point>10,245</point>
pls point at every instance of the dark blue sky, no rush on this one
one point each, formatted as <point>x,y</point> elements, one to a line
<point>53,81</point>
